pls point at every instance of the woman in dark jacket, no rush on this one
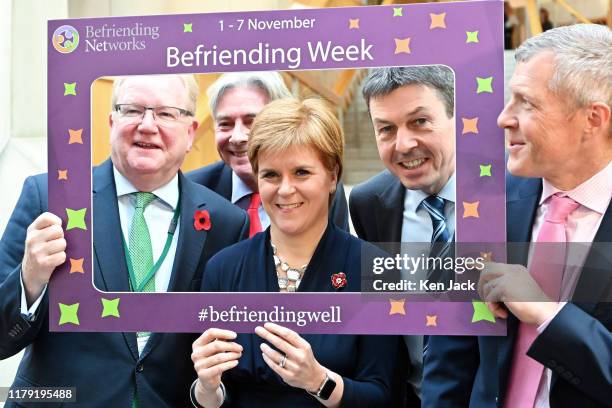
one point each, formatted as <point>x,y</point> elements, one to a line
<point>295,149</point>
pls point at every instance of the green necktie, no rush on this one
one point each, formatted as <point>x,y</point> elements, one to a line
<point>140,248</point>
<point>141,252</point>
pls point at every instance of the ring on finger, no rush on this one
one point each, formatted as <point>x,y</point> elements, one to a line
<point>283,361</point>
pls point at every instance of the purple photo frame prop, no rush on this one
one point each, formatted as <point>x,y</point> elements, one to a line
<point>464,36</point>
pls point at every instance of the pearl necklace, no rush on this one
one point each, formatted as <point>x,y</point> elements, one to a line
<point>292,281</point>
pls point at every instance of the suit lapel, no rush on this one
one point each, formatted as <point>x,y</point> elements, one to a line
<point>111,274</point>
<point>522,206</point>
<point>330,257</point>
<point>224,186</point>
<point>190,244</point>
<point>392,214</point>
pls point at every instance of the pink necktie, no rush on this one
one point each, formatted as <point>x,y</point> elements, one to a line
<point>253,212</point>
<point>526,373</point>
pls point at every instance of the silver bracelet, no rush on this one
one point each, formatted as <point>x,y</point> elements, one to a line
<point>192,395</point>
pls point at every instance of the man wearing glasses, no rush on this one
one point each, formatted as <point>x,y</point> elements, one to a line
<point>141,202</point>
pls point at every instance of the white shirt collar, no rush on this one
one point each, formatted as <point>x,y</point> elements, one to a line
<point>239,188</point>
<point>414,197</point>
<point>168,193</point>
<point>594,193</point>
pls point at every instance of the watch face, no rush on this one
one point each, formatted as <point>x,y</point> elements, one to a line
<point>327,389</point>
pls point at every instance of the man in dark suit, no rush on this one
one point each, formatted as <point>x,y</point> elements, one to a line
<point>556,353</point>
<point>138,195</point>
<point>412,110</point>
<point>235,99</point>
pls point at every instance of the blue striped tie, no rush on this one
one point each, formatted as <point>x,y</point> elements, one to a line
<point>440,238</point>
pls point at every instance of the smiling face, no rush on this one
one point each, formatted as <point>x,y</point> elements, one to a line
<point>415,137</point>
<point>235,114</point>
<point>295,187</point>
<point>544,136</point>
<point>147,153</point>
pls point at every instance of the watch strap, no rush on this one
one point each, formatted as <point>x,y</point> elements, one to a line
<point>326,388</point>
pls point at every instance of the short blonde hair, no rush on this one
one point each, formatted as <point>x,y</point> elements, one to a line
<point>289,122</point>
<point>188,80</point>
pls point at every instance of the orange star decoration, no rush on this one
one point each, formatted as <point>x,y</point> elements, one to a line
<point>75,136</point>
<point>402,45</point>
<point>470,209</point>
<point>487,256</point>
<point>62,174</point>
<point>76,265</point>
<point>469,125</point>
<point>432,321</point>
<point>397,306</point>
<point>353,23</point>
<point>437,20</point>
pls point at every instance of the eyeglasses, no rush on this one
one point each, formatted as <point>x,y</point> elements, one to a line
<point>167,115</point>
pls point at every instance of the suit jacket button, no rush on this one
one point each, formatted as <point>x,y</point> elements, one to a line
<point>552,363</point>
<point>140,368</point>
<point>575,381</point>
<point>567,375</point>
<point>12,333</point>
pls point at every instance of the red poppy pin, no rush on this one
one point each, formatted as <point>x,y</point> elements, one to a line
<point>338,280</point>
<point>201,220</point>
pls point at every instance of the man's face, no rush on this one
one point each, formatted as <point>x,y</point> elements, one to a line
<point>235,114</point>
<point>544,137</point>
<point>415,137</point>
<point>147,150</point>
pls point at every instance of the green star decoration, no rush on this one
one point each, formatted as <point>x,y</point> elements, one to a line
<point>397,12</point>
<point>484,84</point>
<point>76,219</point>
<point>481,312</point>
<point>472,37</point>
<point>70,89</point>
<point>485,170</point>
<point>69,314</point>
<point>188,27</point>
<point>110,307</point>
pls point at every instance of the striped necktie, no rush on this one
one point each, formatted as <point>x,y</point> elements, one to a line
<point>440,238</point>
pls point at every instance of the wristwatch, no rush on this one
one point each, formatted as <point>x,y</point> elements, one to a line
<point>325,389</point>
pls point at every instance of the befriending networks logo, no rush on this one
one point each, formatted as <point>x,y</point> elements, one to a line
<point>107,37</point>
<point>65,39</point>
